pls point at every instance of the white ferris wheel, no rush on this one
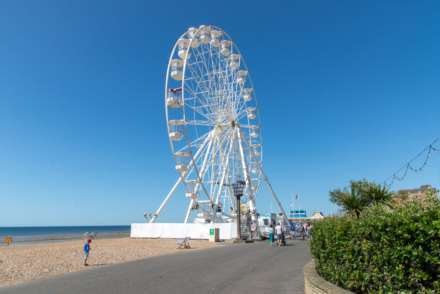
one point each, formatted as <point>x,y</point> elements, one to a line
<point>213,125</point>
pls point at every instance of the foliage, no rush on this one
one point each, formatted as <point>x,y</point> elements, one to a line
<point>386,250</point>
<point>359,195</point>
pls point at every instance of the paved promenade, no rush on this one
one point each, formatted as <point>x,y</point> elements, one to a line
<point>245,268</point>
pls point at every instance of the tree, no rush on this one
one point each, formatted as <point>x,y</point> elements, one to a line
<point>350,199</point>
<point>359,195</point>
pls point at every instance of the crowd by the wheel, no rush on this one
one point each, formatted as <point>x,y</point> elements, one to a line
<point>301,231</point>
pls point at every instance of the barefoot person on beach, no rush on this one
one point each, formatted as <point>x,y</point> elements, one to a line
<point>86,250</point>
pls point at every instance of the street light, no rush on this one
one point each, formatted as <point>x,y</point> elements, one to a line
<point>238,188</point>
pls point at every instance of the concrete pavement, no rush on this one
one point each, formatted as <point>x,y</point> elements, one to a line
<point>244,268</point>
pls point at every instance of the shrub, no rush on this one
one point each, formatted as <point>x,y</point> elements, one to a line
<point>387,250</point>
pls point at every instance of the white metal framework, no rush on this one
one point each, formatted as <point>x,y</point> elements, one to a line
<point>213,124</point>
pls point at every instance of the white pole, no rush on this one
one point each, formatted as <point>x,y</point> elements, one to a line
<point>203,169</point>
<point>167,198</point>
<point>275,197</point>
<point>188,211</point>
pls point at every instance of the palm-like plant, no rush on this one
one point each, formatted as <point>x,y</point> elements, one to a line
<point>378,194</point>
<point>359,195</point>
<point>350,199</point>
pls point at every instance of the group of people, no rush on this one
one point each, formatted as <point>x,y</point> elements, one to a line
<point>278,235</point>
<point>305,230</point>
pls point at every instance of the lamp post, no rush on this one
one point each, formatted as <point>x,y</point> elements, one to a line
<point>238,188</point>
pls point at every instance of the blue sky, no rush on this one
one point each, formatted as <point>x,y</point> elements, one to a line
<point>347,90</point>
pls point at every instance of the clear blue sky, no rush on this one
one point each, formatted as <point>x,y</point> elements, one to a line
<point>347,90</point>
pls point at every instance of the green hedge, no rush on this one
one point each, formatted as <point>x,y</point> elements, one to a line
<point>385,251</point>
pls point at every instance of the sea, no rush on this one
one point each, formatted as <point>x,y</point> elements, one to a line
<point>58,233</point>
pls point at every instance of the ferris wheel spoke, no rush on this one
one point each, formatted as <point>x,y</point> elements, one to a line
<point>193,144</point>
<point>198,92</point>
<point>197,76</point>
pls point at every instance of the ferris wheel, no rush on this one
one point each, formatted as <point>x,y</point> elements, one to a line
<point>213,124</point>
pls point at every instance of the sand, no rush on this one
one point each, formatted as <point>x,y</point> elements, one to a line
<point>22,263</point>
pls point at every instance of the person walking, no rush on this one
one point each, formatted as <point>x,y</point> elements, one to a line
<point>86,250</point>
<point>272,235</point>
<point>279,233</point>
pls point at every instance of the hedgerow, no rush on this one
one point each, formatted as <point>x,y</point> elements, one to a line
<point>386,250</point>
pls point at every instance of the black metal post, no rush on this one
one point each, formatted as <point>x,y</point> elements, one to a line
<point>238,217</point>
<point>238,188</point>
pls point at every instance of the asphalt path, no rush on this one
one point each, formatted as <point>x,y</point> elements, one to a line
<point>235,268</point>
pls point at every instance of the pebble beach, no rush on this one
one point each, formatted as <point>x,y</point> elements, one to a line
<point>25,262</point>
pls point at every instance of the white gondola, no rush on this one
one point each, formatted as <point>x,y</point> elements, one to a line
<point>234,57</point>
<point>251,109</point>
<point>241,76</point>
<point>174,102</point>
<point>205,35</point>
<point>215,42</point>
<point>181,168</point>
<point>226,44</point>
<point>177,75</point>
<point>183,53</point>
<point>192,33</point>
<point>191,195</point>
<point>183,154</point>
<point>234,65</point>
<point>254,135</point>
<point>215,38</point>
<point>251,115</point>
<point>226,48</point>
<point>254,127</point>
<point>247,94</point>
<point>176,69</point>
<point>176,122</point>
<point>183,45</point>
<point>257,154</point>
<point>175,136</point>
<point>242,73</point>
<point>225,51</point>
<point>216,34</point>
<point>234,62</point>
<point>256,145</point>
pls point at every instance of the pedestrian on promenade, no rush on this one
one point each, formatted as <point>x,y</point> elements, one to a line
<point>279,233</point>
<point>310,231</point>
<point>272,235</point>
<point>303,232</point>
<point>86,250</point>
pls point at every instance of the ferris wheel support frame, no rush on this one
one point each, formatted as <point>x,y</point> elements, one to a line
<point>208,141</point>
